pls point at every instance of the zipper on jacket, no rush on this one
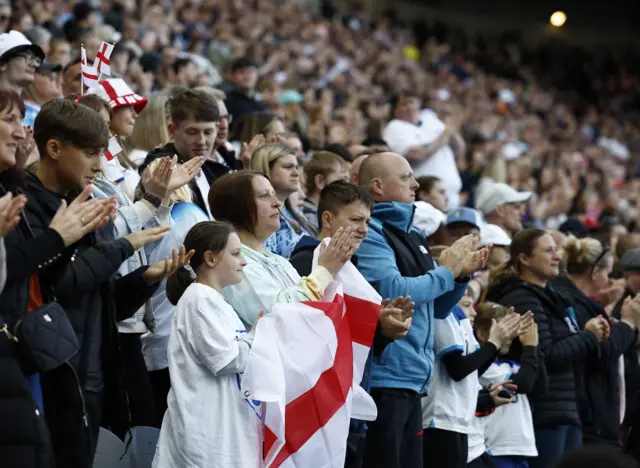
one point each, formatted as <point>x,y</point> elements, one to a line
<point>426,345</point>
<point>85,415</point>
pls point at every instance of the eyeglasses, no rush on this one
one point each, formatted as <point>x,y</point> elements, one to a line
<point>228,118</point>
<point>29,57</point>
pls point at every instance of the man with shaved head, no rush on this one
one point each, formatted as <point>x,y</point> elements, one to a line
<point>395,259</point>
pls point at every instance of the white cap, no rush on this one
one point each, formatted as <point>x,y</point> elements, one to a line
<point>492,234</point>
<point>499,194</point>
<point>16,40</point>
<point>427,218</point>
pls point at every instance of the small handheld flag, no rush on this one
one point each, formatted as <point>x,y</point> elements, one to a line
<point>113,149</point>
<point>103,58</point>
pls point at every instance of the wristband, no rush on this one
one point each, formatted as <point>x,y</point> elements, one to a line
<point>155,201</point>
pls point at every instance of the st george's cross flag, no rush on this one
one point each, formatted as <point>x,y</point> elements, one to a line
<point>113,149</point>
<point>89,73</point>
<point>306,364</point>
<point>103,58</point>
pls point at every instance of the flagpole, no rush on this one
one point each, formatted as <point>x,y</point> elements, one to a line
<point>81,76</point>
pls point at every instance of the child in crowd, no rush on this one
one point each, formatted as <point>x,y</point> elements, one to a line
<point>211,423</point>
<point>508,432</point>
<point>448,410</point>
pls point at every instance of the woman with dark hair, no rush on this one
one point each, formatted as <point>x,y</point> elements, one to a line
<point>247,200</point>
<point>601,375</point>
<point>210,423</point>
<point>524,283</point>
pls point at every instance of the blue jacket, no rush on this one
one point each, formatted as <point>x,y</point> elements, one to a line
<point>406,363</point>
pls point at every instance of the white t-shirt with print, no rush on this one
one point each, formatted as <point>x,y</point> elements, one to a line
<point>208,421</point>
<point>401,136</point>
<point>451,405</point>
<point>509,430</point>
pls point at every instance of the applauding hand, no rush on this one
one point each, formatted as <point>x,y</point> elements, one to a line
<point>395,317</point>
<point>160,270</point>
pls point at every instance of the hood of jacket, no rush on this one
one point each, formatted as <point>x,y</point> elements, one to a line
<point>399,215</point>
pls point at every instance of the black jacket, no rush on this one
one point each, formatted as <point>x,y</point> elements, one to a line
<point>561,343</point>
<point>24,437</point>
<point>239,104</point>
<point>597,377</point>
<point>212,170</point>
<point>81,278</point>
<point>632,381</point>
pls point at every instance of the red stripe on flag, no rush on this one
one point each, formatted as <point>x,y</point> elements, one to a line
<point>308,413</point>
<point>109,89</point>
<point>363,319</point>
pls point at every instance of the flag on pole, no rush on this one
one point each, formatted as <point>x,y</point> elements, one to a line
<point>113,149</point>
<point>89,73</point>
<point>103,58</point>
<point>306,364</point>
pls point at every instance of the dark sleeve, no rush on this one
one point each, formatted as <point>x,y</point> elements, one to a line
<point>91,267</point>
<point>379,341</point>
<point>559,354</point>
<point>27,256</point>
<point>621,339</point>
<point>541,384</point>
<point>130,292</point>
<point>485,404</point>
<point>302,262</point>
<point>459,366</point>
<point>526,377</point>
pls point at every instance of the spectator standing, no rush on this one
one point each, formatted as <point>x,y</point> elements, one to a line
<point>395,259</point>
<point>322,169</point>
<point>426,142</point>
<point>524,283</point>
<point>432,191</point>
<point>279,163</point>
<point>503,206</point>
<point>241,98</point>
<point>588,265</point>
<point>211,424</point>
<point>247,200</point>
<point>193,127</point>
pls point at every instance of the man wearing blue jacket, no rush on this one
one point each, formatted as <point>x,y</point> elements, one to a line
<point>395,259</point>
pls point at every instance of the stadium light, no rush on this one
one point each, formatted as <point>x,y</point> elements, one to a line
<point>558,19</point>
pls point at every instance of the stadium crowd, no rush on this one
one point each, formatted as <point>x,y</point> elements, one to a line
<point>152,214</point>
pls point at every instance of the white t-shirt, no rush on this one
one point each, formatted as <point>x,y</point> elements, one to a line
<point>509,430</point>
<point>208,422</point>
<point>451,405</point>
<point>477,429</point>
<point>401,136</point>
<point>203,186</point>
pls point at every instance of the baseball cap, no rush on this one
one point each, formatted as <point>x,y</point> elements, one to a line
<point>242,63</point>
<point>290,96</point>
<point>631,261</point>
<point>464,215</point>
<point>427,218</point>
<point>499,194</point>
<point>14,41</point>
<point>492,234</point>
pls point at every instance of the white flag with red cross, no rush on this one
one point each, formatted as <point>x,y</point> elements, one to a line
<point>113,149</point>
<point>306,364</point>
<point>89,73</point>
<point>103,58</point>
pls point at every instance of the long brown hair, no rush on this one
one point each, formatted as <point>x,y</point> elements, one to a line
<point>523,243</point>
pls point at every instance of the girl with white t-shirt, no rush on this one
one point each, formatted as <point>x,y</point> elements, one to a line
<point>450,406</point>
<point>208,422</point>
<point>508,432</point>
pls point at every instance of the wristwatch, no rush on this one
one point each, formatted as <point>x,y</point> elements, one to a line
<point>155,201</point>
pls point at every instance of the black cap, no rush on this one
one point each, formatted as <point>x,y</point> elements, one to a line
<point>575,227</point>
<point>82,10</point>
